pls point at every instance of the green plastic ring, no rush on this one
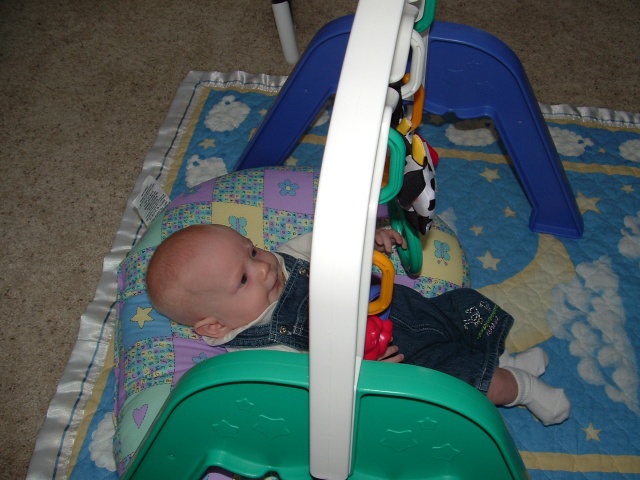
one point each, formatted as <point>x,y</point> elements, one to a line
<point>427,16</point>
<point>411,257</point>
<point>397,154</point>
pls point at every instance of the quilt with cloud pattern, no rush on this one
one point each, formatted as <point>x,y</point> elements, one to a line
<point>578,299</point>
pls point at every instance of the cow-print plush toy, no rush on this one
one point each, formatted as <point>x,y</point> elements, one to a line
<point>418,193</point>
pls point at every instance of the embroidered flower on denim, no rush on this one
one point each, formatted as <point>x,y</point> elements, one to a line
<point>288,188</point>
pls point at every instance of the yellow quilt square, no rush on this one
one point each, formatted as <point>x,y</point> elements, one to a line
<point>245,219</point>
<point>441,257</point>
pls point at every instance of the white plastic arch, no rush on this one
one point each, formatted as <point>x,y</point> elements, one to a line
<point>352,169</point>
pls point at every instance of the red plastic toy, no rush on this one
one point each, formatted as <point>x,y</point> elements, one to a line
<point>377,337</point>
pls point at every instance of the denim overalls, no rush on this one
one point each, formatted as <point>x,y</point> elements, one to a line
<point>460,332</point>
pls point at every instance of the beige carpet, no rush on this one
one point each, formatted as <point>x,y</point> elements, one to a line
<point>85,85</point>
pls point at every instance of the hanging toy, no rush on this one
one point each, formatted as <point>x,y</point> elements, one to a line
<point>418,193</point>
<point>417,196</point>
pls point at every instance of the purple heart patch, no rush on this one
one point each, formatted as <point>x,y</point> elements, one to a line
<point>140,413</point>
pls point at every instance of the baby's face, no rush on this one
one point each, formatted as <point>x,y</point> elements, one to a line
<point>232,279</point>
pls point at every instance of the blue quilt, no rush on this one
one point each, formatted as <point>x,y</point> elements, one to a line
<point>577,299</point>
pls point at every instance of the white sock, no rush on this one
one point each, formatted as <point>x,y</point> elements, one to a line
<point>550,405</point>
<point>533,361</point>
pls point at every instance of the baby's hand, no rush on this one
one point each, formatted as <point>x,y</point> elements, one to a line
<point>391,355</point>
<point>386,238</point>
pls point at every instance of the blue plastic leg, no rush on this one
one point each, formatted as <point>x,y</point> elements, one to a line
<point>473,74</point>
<point>469,73</point>
<point>313,81</point>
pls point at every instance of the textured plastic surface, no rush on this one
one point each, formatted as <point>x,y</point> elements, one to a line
<point>469,73</point>
<point>473,74</point>
<point>248,413</point>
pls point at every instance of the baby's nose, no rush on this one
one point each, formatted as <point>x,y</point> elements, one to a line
<point>263,268</point>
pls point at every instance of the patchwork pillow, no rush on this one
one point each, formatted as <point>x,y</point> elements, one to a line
<point>268,205</point>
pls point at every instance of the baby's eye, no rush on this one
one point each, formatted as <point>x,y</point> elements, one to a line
<point>244,279</point>
<point>254,252</point>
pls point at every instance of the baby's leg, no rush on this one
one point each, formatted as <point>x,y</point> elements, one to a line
<point>503,388</point>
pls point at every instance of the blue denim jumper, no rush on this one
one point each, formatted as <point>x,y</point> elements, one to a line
<point>460,333</point>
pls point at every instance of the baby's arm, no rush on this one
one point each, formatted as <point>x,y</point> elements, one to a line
<point>386,238</point>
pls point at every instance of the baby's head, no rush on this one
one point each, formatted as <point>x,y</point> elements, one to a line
<point>212,278</point>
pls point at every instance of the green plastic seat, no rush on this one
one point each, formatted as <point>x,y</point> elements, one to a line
<point>248,413</point>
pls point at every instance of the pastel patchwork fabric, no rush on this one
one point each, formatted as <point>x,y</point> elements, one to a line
<point>577,299</point>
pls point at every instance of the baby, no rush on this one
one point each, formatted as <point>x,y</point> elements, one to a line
<point>234,294</point>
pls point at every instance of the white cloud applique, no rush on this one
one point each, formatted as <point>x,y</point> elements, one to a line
<point>202,169</point>
<point>450,218</point>
<point>472,133</point>
<point>589,314</point>
<point>322,118</point>
<point>568,143</point>
<point>226,115</point>
<point>629,244</point>
<point>630,150</point>
<point>101,446</point>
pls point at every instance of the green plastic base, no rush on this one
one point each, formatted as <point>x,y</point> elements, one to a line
<point>248,412</point>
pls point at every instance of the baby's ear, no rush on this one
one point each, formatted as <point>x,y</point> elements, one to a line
<point>210,327</point>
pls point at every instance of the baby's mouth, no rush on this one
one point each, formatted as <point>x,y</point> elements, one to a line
<point>278,281</point>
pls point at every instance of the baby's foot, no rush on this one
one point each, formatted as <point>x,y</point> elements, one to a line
<point>550,405</point>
